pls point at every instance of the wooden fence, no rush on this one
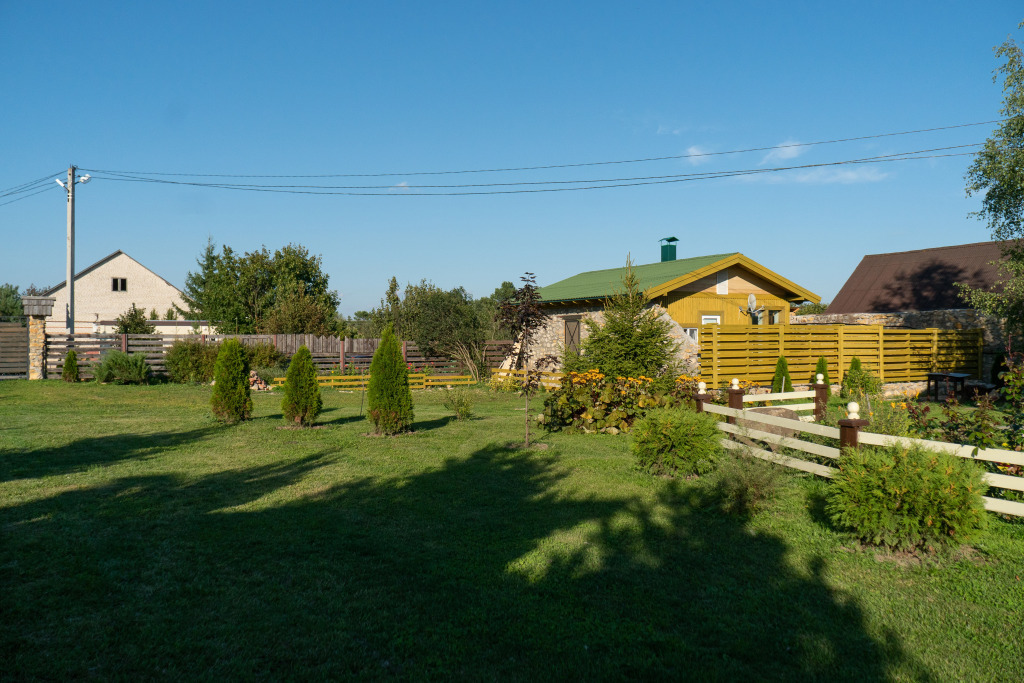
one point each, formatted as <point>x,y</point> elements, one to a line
<point>751,426</point>
<point>13,350</point>
<point>893,355</point>
<point>417,380</point>
<point>328,352</point>
<point>548,380</point>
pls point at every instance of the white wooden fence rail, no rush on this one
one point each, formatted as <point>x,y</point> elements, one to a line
<point>1002,481</point>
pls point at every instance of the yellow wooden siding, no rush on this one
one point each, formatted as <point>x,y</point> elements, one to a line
<point>687,309</point>
<point>741,281</point>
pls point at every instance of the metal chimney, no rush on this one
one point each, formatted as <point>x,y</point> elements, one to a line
<point>668,249</point>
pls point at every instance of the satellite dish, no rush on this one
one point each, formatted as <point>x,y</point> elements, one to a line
<point>751,302</point>
<point>752,310</point>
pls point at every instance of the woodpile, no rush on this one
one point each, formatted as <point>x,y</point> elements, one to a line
<point>257,384</point>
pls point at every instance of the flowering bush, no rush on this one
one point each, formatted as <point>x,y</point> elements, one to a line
<point>591,402</point>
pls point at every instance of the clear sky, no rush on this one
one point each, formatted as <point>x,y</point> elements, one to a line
<point>271,88</point>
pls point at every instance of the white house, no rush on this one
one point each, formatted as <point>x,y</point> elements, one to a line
<point>108,288</point>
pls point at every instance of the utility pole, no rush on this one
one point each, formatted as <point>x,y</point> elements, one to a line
<point>70,188</point>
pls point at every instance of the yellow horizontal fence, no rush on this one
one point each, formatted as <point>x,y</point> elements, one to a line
<point>750,352</point>
<point>417,380</point>
<point>548,380</point>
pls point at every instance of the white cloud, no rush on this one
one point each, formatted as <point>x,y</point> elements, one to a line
<point>696,155</point>
<point>784,151</point>
<point>821,176</point>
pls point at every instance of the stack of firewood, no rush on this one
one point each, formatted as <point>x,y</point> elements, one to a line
<point>255,383</point>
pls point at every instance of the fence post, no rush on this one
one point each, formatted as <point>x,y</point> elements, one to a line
<point>735,399</point>
<point>124,343</point>
<point>850,427</point>
<point>405,352</point>
<point>821,394</point>
<point>341,360</point>
<point>702,396</point>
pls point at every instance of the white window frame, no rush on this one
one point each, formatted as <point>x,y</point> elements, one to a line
<point>711,320</point>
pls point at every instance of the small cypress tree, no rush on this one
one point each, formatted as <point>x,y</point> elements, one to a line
<point>821,369</point>
<point>388,398</point>
<point>302,401</point>
<point>69,373</point>
<point>231,401</point>
<point>781,381</point>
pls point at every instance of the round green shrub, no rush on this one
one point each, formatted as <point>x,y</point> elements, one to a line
<point>907,497</point>
<point>69,373</point>
<point>388,397</point>
<point>302,401</point>
<point>118,367</point>
<point>231,401</point>
<point>676,441</point>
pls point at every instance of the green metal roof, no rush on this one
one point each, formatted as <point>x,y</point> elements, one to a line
<point>598,284</point>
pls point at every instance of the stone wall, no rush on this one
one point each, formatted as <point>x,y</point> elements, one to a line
<point>36,347</point>
<point>550,340</point>
<point>952,319</point>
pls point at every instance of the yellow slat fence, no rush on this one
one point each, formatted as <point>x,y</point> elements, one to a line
<point>894,355</point>
<point>548,380</point>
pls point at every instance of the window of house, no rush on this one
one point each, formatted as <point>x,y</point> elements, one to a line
<point>572,335</point>
<point>119,284</point>
<point>774,317</point>
<point>711,320</point>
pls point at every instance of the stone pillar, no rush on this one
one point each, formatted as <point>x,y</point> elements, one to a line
<point>37,309</point>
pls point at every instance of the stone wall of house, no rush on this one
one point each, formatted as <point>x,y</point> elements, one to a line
<point>953,319</point>
<point>550,340</point>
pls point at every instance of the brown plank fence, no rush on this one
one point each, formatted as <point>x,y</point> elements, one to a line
<point>13,350</point>
<point>329,353</point>
<point>894,355</point>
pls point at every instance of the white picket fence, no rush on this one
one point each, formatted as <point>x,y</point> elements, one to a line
<point>1002,481</point>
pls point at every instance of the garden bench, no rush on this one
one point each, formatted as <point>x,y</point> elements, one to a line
<point>959,379</point>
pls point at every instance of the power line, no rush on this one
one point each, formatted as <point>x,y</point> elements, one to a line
<point>30,195</point>
<point>556,166</point>
<point>612,183</point>
<point>25,187</point>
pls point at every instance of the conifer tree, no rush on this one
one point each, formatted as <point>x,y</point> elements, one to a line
<point>231,401</point>
<point>302,401</point>
<point>781,383</point>
<point>821,369</point>
<point>388,398</point>
<point>69,373</point>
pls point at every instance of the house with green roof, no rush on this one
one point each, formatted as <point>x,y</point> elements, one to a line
<point>688,292</point>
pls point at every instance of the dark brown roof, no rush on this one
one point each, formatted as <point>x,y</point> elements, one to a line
<point>920,280</point>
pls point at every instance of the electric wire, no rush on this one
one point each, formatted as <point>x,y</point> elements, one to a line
<point>556,166</point>
<point>25,187</point>
<point>28,195</point>
<point>903,156</point>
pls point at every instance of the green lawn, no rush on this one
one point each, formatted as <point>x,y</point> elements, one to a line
<point>141,539</point>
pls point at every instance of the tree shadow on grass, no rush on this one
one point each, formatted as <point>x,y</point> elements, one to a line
<point>81,454</point>
<point>436,423</point>
<point>485,567</point>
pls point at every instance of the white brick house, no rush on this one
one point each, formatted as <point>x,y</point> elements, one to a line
<point>108,288</point>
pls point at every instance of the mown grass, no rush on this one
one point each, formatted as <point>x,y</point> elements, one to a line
<point>141,539</point>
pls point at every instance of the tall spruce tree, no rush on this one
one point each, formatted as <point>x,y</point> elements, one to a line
<point>388,397</point>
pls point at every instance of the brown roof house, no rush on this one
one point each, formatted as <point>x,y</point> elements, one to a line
<point>688,292</point>
<point>917,289</point>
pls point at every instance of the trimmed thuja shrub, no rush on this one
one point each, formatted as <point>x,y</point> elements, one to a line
<point>69,373</point>
<point>781,381</point>
<point>907,497</point>
<point>676,441</point>
<point>821,369</point>
<point>231,401</point>
<point>302,401</point>
<point>858,382</point>
<point>388,398</point>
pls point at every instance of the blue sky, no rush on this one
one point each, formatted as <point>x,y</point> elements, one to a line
<point>261,88</point>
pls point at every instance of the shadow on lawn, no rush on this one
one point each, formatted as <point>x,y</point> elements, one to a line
<point>481,568</point>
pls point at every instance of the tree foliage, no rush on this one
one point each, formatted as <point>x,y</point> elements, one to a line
<point>231,400</point>
<point>811,308</point>
<point>302,401</point>
<point>522,315</point>
<point>781,381</point>
<point>997,174</point>
<point>633,340</point>
<point>69,371</point>
<point>388,397</point>
<point>257,291</point>
<point>133,321</point>
<point>10,301</point>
